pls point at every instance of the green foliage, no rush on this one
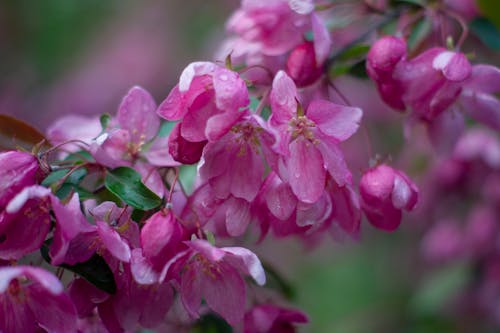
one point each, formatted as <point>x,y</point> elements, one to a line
<point>95,270</point>
<point>491,10</point>
<point>487,32</point>
<point>211,323</point>
<point>126,184</point>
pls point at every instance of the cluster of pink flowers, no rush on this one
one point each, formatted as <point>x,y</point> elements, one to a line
<point>267,140</point>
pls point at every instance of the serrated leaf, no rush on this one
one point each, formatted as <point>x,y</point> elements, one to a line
<point>15,133</point>
<point>126,184</point>
<point>486,32</point>
<point>95,270</point>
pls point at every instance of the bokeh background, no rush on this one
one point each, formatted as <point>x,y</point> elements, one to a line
<point>68,56</point>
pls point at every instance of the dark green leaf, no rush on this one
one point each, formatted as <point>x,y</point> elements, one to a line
<point>354,52</point>
<point>277,282</point>
<point>126,184</point>
<point>95,270</point>
<point>491,10</point>
<point>105,119</point>
<point>420,31</point>
<point>211,323</point>
<point>486,32</point>
<point>74,178</point>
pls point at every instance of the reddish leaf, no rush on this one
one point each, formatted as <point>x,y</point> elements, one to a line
<point>15,133</point>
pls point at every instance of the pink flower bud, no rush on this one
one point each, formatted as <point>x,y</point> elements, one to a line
<point>17,171</point>
<point>384,193</point>
<point>385,54</point>
<point>302,66</point>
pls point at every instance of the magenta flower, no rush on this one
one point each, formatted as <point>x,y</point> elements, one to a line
<point>18,170</point>
<point>135,305</point>
<point>274,27</point>
<point>208,100</point>
<point>25,222</point>
<point>269,318</point>
<point>32,298</point>
<point>234,165</point>
<point>385,192</point>
<point>214,274</point>
<point>135,125</point>
<point>309,143</point>
<point>74,127</point>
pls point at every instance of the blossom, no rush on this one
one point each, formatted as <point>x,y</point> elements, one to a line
<point>385,192</point>
<point>309,142</point>
<point>32,298</point>
<point>207,100</point>
<point>213,274</point>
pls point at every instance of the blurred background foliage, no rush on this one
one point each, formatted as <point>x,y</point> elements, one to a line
<point>70,56</point>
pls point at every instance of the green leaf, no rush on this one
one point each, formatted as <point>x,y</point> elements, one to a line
<point>420,31</point>
<point>277,282</point>
<point>486,32</point>
<point>95,270</point>
<point>105,119</point>
<point>211,323</point>
<point>354,52</point>
<point>55,176</point>
<point>439,289</point>
<point>187,174</point>
<point>491,10</point>
<point>126,184</point>
<point>166,128</point>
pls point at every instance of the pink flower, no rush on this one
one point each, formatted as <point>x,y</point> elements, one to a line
<point>273,26</point>
<point>309,143</point>
<point>135,305</point>
<point>213,274</point>
<point>384,193</point>
<point>32,298</point>
<point>17,171</point>
<point>25,222</point>
<point>234,164</point>
<point>207,100</point>
<point>74,127</point>
<point>136,124</point>
<point>269,318</point>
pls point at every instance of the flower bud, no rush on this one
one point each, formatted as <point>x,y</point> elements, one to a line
<point>384,193</point>
<point>302,66</point>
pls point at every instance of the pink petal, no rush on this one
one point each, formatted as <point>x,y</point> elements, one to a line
<point>18,170</point>
<point>191,291</point>
<point>173,107</point>
<point>192,70</point>
<point>247,262</point>
<point>210,252</point>
<point>335,120</point>
<point>283,99</point>
<point>482,107</point>
<point>113,242</point>
<point>182,150</point>
<point>305,171</point>
<point>231,92</point>
<point>301,6</point>
<point>237,216</point>
<point>137,115</point>
<point>219,124</point>
<point>55,313</point>
<point>46,279</point>
<point>225,293</point>
<point>454,65</point>
<point>141,269</point>
<point>280,199</point>
<point>334,159</point>
<point>322,39</point>
<point>485,79</point>
<point>445,130</point>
